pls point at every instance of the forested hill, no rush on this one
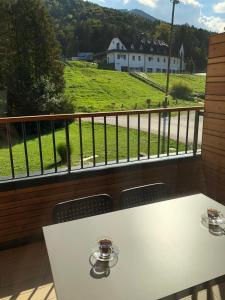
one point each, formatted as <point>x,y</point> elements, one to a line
<point>89,27</point>
<point>84,26</point>
<point>143,14</point>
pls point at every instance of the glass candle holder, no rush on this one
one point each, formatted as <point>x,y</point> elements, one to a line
<point>104,251</point>
<point>214,221</point>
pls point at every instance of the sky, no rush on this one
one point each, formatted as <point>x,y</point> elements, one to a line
<point>207,14</point>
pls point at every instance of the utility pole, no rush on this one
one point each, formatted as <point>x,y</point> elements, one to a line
<point>165,104</point>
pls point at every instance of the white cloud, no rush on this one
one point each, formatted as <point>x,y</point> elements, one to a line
<point>194,3</point>
<point>219,7</point>
<point>150,3</point>
<point>215,24</point>
<point>153,3</point>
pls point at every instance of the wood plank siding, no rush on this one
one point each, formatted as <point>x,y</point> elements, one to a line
<point>213,148</point>
<point>26,206</point>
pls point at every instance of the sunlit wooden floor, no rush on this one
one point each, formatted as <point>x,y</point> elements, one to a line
<point>25,274</point>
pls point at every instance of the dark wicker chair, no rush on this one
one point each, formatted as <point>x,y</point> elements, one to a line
<point>143,195</point>
<point>82,208</point>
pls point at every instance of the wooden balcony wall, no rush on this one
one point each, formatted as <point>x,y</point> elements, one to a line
<point>26,205</point>
<point>213,150</point>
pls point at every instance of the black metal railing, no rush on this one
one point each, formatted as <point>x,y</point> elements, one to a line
<point>29,144</point>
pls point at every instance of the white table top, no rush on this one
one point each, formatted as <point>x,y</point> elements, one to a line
<point>164,249</point>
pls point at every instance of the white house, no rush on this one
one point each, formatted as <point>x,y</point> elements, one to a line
<point>145,56</point>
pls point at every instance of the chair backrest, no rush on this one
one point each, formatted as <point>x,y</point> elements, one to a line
<point>142,195</point>
<point>82,208</point>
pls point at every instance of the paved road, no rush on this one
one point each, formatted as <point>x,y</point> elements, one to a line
<point>122,121</point>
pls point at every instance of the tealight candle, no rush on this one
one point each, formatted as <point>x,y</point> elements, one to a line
<point>213,213</point>
<point>105,247</point>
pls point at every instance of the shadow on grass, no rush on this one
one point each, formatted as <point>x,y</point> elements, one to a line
<point>58,164</point>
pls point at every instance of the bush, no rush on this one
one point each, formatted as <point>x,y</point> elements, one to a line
<point>181,90</point>
<point>62,152</point>
<point>103,65</point>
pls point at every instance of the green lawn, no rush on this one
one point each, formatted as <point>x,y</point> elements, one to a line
<point>91,89</point>
<point>47,147</point>
<point>195,81</point>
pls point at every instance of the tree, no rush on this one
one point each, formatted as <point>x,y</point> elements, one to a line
<point>190,66</point>
<point>163,32</point>
<point>31,74</point>
<point>195,43</point>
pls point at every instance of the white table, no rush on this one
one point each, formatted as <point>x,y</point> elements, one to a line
<point>164,249</point>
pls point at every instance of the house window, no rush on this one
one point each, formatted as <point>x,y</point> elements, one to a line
<point>164,60</point>
<point>158,70</point>
<point>174,61</point>
<point>150,70</point>
<point>133,57</point>
<point>139,57</point>
<point>118,56</point>
<point>124,57</point>
<point>158,60</point>
<point>149,59</point>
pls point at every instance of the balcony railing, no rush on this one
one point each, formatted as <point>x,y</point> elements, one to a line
<point>29,145</point>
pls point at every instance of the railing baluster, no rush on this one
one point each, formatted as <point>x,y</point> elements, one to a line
<point>138,146</point>
<point>8,131</point>
<point>164,121</point>
<point>195,139</point>
<point>128,138</point>
<point>68,147</point>
<point>93,140</point>
<point>178,132</point>
<point>158,142</point>
<point>25,147</point>
<point>54,145</point>
<point>105,140</point>
<point>117,140</point>
<point>187,131</point>
<point>168,136</point>
<point>81,144</point>
<point>159,134</point>
<point>40,146</point>
<point>149,135</point>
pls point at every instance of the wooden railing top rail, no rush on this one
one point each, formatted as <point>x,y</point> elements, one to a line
<point>95,114</point>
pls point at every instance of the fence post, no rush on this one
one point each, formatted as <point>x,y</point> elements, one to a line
<point>196,126</point>
<point>68,152</point>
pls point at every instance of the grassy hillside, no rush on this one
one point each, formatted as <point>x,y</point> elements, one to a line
<point>47,147</point>
<point>91,89</point>
<point>195,81</point>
